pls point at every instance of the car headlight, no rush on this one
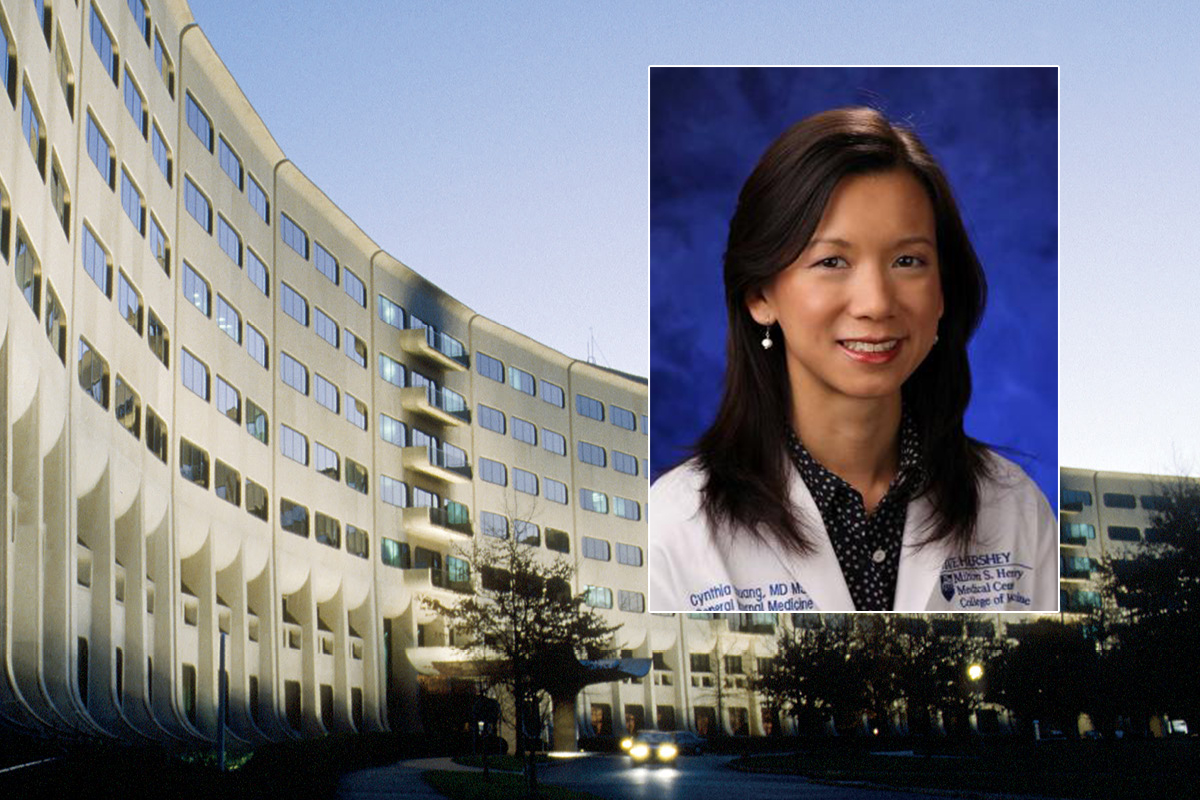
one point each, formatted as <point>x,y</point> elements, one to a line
<point>639,751</point>
<point>667,751</point>
<point>627,743</point>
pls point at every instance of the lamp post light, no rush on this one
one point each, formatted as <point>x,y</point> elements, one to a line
<point>975,672</point>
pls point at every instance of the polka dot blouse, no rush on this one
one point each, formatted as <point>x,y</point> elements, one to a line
<point>867,545</point>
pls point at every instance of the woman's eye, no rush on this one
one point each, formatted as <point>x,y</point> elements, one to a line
<point>832,262</point>
<point>909,261</point>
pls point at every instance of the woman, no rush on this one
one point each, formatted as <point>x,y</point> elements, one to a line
<point>837,475</point>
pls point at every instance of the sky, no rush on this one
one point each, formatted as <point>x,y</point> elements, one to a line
<point>501,151</point>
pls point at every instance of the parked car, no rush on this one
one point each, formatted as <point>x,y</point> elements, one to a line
<point>688,742</point>
<point>652,747</point>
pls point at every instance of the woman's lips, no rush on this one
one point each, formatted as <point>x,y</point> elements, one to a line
<point>871,351</point>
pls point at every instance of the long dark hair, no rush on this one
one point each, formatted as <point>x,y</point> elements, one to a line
<point>742,454</point>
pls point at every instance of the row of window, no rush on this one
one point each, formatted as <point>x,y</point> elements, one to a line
<point>196,378</point>
<point>523,481</point>
<point>602,597</point>
<point>295,305</point>
<point>591,500</point>
<point>598,549</point>
<point>522,430</point>
<point>391,313</point>
<point>27,271</point>
<point>1078,499</point>
<point>198,291</point>
<point>231,164</point>
<point>94,379</point>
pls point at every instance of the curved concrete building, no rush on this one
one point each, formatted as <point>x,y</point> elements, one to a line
<point>226,410</point>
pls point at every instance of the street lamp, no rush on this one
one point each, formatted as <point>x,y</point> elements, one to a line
<point>975,672</point>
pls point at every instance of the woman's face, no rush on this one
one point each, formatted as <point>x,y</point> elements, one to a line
<point>859,308</point>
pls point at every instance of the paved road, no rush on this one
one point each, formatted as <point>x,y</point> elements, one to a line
<point>692,778</point>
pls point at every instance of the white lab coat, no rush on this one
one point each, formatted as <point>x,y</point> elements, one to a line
<point>1011,566</point>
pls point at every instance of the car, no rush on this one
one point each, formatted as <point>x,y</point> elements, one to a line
<point>652,747</point>
<point>688,742</point>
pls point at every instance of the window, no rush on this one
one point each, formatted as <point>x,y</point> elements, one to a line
<point>592,454</point>
<point>293,304</point>
<point>622,418</point>
<point>326,393</point>
<point>392,430</point>
<point>701,662</point>
<point>227,483</point>
<point>1123,533</point>
<point>526,532</point>
<point>391,370</point>
<point>597,549</point>
<point>645,424</point>
<point>230,163</point>
<point>357,541</point>
<point>132,202</point>
<point>28,272</point>
<point>1076,497</point>
<point>554,442</point>
<point>1076,531</point>
<point>102,41</point>
<point>327,462</point>
<point>256,345</point>
<point>325,263</point>
<point>356,476</point>
<point>197,204</point>
<point>391,313</point>
<point>524,481</point>
<point>355,288</point>
<point>33,130</point>
<point>491,418</point>
<point>62,62</point>
<point>325,327</point>
<point>356,412</point>
<point>229,239</point>
<point>393,492</point>
<point>199,122</point>
<point>632,601</point>
<point>355,349</point>
<point>524,431</point>
<point>156,435</point>
<point>56,324</point>
<point>394,554</point>
<point>629,554</point>
<point>194,374</point>
<point>257,272</point>
<point>158,338</point>
<point>552,393</point>
<point>559,541</point>
<point>589,407</point>
<point>256,500</point>
<point>593,501</point>
<point>193,463</point>
<point>8,64</point>
<point>229,400</point>
<point>138,9</point>
<point>96,262</point>
<point>257,424</point>
<point>493,472</point>
<point>293,373</point>
<point>129,302</point>
<point>293,235</point>
<point>492,524</point>
<point>135,104</point>
<point>1154,502</point>
<point>128,407</point>
<point>522,381</point>
<point>623,462</point>
<point>163,62</point>
<point>258,200</point>
<point>626,508</point>
<point>489,367</point>
<point>100,151</point>
<point>293,444</point>
<point>1113,500</point>
<point>196,289</point>
<point>160,248</point>
<point>60,197</point>
<point>555,491</point>
<point>598,597</point>
<point>293,517</point>
<point>229,320</point>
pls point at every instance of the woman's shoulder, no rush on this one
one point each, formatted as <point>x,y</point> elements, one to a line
<point>678,491</point>
<point>1006,489</point>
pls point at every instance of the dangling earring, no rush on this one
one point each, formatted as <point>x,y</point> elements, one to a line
<point>935,338</point>
<point>766,342</point>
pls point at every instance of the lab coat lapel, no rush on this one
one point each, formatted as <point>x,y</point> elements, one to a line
<point>920,567</point>
<point>819,573</point>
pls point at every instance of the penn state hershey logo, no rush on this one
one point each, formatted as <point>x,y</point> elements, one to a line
<point>947,586</point>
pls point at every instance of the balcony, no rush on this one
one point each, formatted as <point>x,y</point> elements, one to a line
<point>437,522</point>
<point>432,461</point>
<point>436,403</point>
<point>427,579</point>
<point>434,346</point>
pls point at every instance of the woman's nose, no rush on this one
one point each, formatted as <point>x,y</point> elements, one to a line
<point>873,293</point>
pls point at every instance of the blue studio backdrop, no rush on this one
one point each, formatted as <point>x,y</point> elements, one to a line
<point>995,133</point>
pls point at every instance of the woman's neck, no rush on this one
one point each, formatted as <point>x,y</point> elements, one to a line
<point>855,439</point>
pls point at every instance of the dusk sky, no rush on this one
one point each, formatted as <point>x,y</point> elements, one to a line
<point>501,151</point>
